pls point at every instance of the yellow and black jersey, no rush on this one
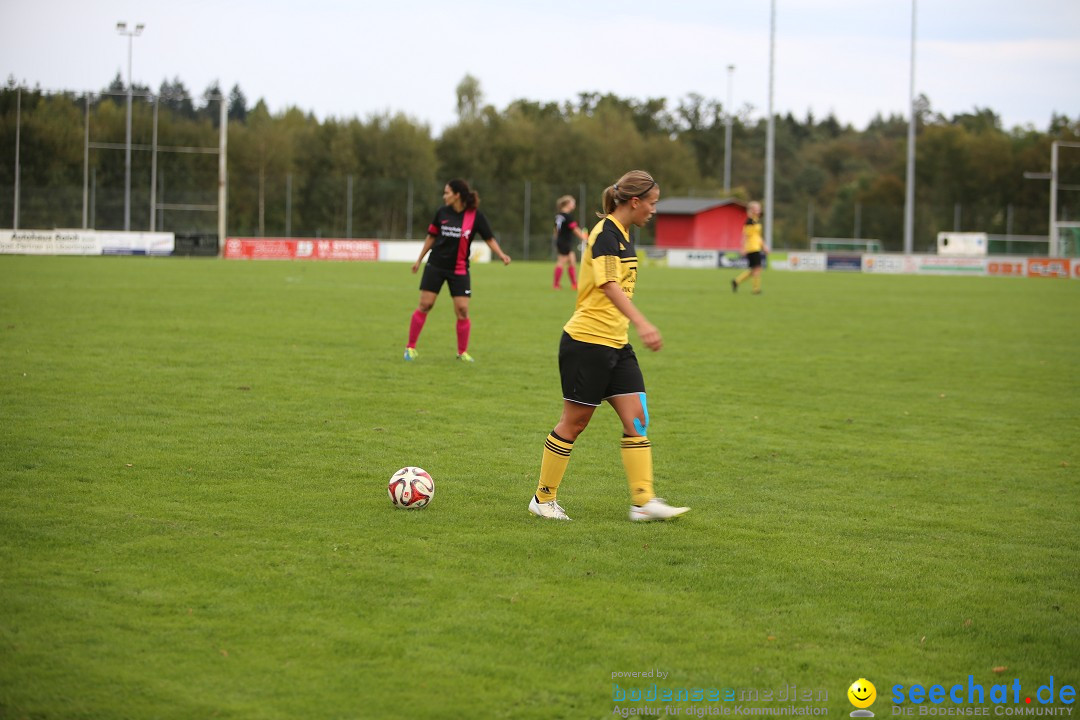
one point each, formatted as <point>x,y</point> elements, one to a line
<point>609,256</point>
<point>752,241</point>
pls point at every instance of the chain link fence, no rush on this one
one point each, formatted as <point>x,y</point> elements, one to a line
<point>521,213</point>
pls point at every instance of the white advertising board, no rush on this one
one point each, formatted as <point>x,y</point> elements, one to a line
<point>937,265</point>
<point>136,243</point>
<point>969,244</point>
<point>807,261</point>
<point>889,264</point>
<point>85,242</point>
<point>409,250</point>
<point>691,258</point>
<point>48,242</point>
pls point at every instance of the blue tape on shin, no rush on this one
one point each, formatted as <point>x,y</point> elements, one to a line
<point>642,429</point>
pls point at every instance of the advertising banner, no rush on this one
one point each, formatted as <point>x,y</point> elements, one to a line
<point>888,264</point>
<point>962,243</point>
<point>85,242</point>
<point>806,261</point>
<point>690,258</point>
<point>1006,266</point>
<point>1049,267</point>
<point>843,262</point>
<point>937,265</point>
<point>283,249</point>
<point>409,250</point>
<point>136,243</point>
<point>48,242</point>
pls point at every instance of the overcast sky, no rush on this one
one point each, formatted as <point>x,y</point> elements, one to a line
<point>355,58</point>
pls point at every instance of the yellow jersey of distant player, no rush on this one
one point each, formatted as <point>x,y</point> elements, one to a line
<point>751,232</point>
<point>609,256</point>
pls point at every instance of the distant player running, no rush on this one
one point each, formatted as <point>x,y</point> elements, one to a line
<point>567,235</point>
<point>449,237</point>
<point>596,361</point>
<point>753,248</point>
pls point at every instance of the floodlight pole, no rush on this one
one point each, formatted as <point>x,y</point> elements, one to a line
<point>1052,245</point>
<point>222,174</point>
<point>909,195</point>
<point>770,140</point>
<point>18,133</point>
<point>727,134</point>
<point>121,28</point>
<point>1054,240</point>
<point>153,170</point>
<point>86,166</point>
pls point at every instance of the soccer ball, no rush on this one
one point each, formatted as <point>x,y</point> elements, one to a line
<point>411,488</point>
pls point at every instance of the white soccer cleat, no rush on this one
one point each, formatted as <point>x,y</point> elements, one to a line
<point>550,510</point>
<point>656,509</point>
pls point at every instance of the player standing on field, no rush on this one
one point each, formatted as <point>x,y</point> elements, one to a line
<point>753,248</point>
<point>567,234</point>
<point>596,361</point>
<point>448,239</point>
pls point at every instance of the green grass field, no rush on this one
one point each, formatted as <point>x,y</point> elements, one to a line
<point>884,474</point>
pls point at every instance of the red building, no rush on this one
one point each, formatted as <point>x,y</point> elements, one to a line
<point>698,223</point>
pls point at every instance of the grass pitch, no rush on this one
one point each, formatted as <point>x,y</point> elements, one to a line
<point>883,473</point>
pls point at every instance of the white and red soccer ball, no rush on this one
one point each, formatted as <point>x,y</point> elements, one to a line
<point>411,488</point>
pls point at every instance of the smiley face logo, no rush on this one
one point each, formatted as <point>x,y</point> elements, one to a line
<point>862,693</point>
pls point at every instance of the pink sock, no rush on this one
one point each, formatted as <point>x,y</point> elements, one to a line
<point>463,327</point>
<point>415,326</point>
<point>558,275</point>
<point>573,275</point>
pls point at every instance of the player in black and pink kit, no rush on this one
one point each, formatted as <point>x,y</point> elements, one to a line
<point>568,235</point>
<point>449,236</point>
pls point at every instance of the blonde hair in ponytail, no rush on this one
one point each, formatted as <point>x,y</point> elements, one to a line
<point>634,184</point>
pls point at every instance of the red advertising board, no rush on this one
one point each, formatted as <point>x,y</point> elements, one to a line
<point>1049,267</point>
<point>284,249</point>
<point>1006,266</point>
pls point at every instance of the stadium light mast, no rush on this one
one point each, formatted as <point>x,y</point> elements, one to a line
<point>770,140</point>
<point>223,177</point>
<point>727,134</point>
<point>1051,247</point>
<point>121,28</point>
<point>909,195</point>
<point>18,144</point>
<point>1054,247</point>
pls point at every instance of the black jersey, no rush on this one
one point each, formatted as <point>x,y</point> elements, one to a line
<point>451,249</point>
<point>565,225</point>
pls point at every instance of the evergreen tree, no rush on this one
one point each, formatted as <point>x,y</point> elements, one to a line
<point>237,104</point>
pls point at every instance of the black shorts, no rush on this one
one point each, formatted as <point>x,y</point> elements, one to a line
<point>593,373</point>
<point>564,247</point>
<point>754,259</point>
<point>433,278</point>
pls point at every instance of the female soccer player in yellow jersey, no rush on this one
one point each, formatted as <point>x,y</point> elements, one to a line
<point>753,248</point>
<point>596,361</point>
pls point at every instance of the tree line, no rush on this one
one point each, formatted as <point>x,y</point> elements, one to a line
<point>381,176</point>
